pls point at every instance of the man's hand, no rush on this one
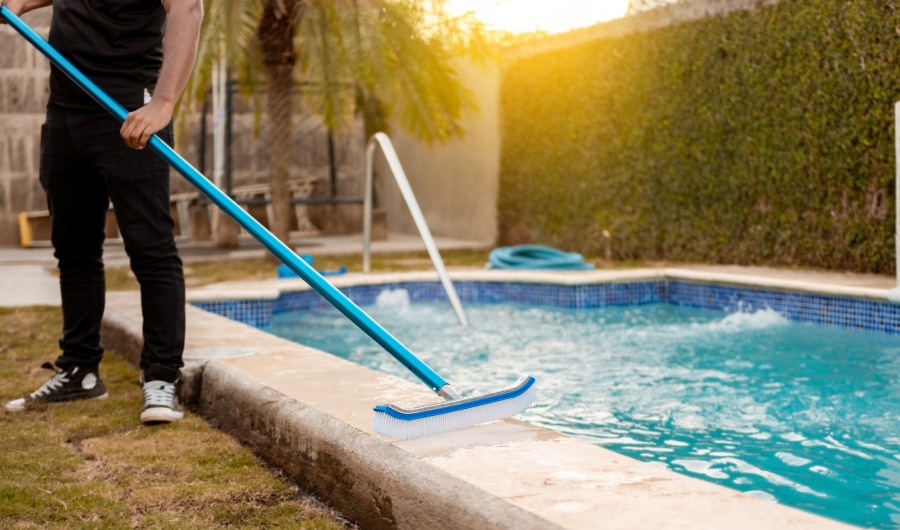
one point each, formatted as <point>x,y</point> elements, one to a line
<point>144,122</point>
<point>20,7</point>
<point>12,6</point>
<point>183,20</point>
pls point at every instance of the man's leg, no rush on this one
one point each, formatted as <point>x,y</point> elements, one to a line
<point>138,182</point>
<point>77,199</point>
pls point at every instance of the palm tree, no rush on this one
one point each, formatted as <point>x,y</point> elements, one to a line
<point>384,60</point>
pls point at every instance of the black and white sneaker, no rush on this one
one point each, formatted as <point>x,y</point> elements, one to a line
<point>160,395</point>
<point>67,384</point>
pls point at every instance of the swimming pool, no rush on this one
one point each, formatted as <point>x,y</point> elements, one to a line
<point>843,473</point>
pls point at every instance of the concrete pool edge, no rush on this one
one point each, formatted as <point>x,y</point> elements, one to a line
<point>309,414</point>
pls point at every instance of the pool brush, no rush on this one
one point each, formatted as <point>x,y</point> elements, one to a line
<point>454,413</point>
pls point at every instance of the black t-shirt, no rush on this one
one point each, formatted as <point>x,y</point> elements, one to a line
<point>116,43</point>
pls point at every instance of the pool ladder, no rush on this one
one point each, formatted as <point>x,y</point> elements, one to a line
<point>390,155</point>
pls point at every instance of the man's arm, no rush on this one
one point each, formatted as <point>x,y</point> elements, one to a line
<point>20,7</point>
<point>179,51</point>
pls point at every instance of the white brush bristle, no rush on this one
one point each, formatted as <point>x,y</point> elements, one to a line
<point>408,429</point>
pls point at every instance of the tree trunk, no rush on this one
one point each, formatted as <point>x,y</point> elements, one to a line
<point>279,106</point>
<point>276,34</point>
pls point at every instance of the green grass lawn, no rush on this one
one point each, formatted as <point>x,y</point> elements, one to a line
<point>91,464</point>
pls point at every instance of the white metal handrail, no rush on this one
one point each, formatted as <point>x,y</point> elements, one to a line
<point>387,149</point>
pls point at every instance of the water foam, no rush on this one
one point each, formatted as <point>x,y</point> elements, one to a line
<point>396,300</point>
<point>756,320</point>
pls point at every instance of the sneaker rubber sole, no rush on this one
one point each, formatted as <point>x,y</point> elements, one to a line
<point>18,405</point>
<point>160,415</point>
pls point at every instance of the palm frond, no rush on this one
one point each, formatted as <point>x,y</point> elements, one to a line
<point>388,61</point>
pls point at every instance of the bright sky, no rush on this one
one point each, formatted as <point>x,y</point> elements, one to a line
<point>553,16</point>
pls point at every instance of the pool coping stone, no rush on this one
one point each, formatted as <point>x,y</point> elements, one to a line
<point>272,289</point>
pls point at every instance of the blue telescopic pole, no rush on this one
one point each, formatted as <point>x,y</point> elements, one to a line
<point>251,225</point>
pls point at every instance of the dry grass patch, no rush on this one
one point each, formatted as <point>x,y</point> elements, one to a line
<point>91,464</point>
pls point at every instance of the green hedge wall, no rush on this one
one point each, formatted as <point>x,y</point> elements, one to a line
<point>761,137</point>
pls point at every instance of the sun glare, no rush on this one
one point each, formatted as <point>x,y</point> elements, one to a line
<point>552,16</point>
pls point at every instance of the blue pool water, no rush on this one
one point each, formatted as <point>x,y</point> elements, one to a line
<point>803,414</point>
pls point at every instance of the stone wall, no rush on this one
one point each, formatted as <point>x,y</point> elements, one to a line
<point>23,97</point>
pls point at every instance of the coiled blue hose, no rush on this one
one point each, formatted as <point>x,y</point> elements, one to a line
<point>536,257</point>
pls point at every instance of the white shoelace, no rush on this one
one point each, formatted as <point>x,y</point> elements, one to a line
<point>58,380</point>
<point>159,394</point>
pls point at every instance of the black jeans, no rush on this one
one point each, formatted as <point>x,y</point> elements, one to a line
<point>84,165</point>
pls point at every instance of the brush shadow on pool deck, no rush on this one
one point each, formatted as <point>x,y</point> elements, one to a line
<point>309,413</point>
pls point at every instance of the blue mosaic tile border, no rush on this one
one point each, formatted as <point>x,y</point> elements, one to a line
<point>851,313</point>
<point>257,313</point>
<point>869,315</point>
<point>566,296</point>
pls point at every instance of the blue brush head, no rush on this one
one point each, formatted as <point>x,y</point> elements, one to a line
<point>396,422</point>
